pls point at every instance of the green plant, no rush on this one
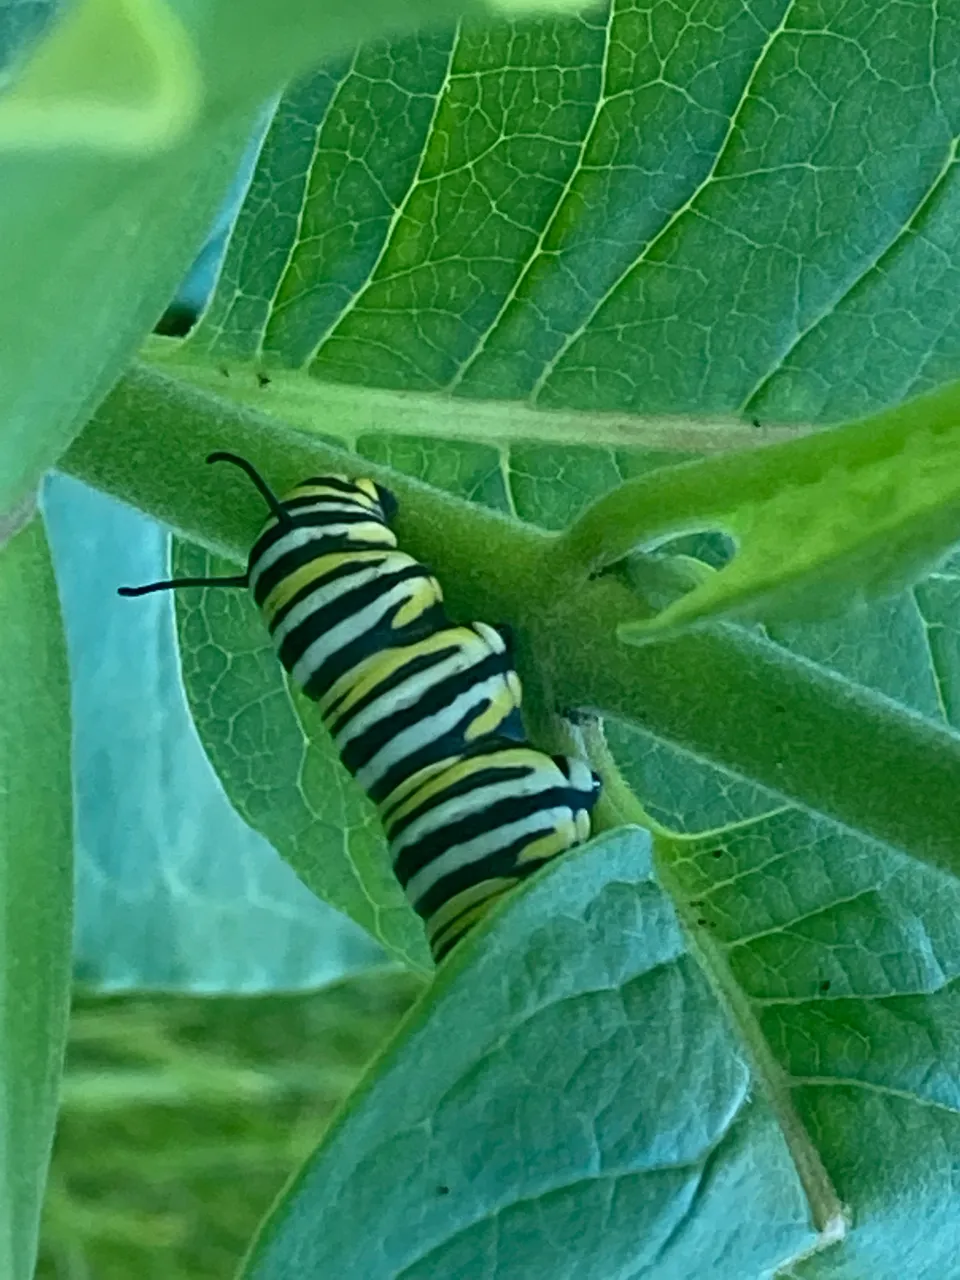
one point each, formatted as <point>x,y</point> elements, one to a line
<point>519,268</point>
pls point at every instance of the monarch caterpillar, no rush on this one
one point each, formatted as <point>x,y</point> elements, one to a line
<point>425,713</point>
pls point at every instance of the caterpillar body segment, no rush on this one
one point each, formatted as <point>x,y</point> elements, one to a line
<point>425,713</point>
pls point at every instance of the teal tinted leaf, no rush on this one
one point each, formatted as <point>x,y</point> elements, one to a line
<point>539,1111</point>
<point>36,885</point>
<point>279,767</point>
<point>842,960</point>
<point>174,891</point>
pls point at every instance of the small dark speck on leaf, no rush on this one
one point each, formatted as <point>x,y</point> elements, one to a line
<point>779,709</point>
<point>825,985</point>
<point>701,922</point>
<point>755,422</point>
<point>224,370</point>
<point>716,853</point>
<point>442,1190</point>
<point>262,380</point>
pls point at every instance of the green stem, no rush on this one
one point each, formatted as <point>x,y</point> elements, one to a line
<point>722,694</point>
<point>618,805</point>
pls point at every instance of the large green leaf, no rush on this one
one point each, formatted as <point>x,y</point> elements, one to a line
<point>36,885</point>
<point>840,962</point>
<point>719,209</point>
<point>541,1112</point>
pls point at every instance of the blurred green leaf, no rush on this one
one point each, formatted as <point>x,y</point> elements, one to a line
<point>182,1118</point>
<point>114,75</point>
<point>100,240</point>
<point>112,176</point>
<point>36,885</point>
<point>540,1112</point>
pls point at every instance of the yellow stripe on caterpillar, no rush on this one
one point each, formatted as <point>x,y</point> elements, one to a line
<point>424,594</point>
<point>560,838</point>
<point>314,571</point>
<point>494,714</point>
<point>368,487</point>
<point>322,492</point>
<point>374,670</point>
<point>410,784</point>
<point>420,789</point>
<point>462,910</point>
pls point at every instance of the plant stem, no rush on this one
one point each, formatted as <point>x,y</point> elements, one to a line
<point>741,703</point>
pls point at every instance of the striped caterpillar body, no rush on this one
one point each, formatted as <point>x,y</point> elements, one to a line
<point>425,713</point>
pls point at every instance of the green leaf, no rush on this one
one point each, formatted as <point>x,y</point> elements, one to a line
<point>744,211</point>
<point>36,885</point>
<point>782,903</point>
<point>862,510</point>
<point>839,961</point>
<point>278,765</point>
<point>540,1112</point>
<point>92,247</point>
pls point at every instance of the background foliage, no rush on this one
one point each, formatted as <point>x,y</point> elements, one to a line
<point>521,261</point>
